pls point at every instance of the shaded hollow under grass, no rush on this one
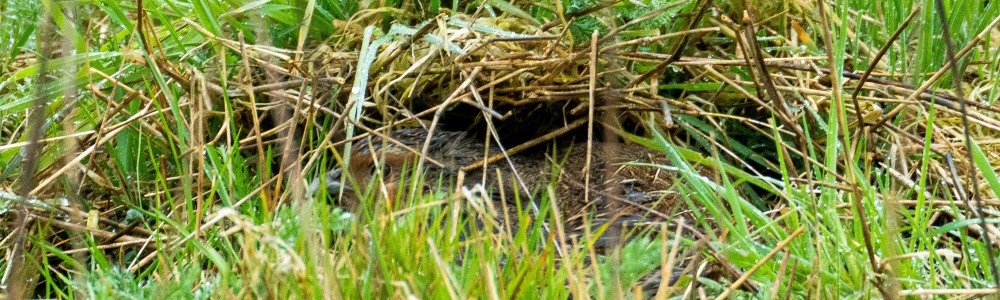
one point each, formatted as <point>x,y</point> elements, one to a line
<point>164,148</point>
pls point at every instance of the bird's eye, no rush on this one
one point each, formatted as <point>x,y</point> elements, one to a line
<point>386,170</point>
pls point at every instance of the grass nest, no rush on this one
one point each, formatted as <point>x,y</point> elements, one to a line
<point>786,112</point>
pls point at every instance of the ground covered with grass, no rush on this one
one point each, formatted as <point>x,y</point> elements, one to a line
<point>820,149</point>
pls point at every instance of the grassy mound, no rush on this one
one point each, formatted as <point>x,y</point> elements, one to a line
<point>823,150</point>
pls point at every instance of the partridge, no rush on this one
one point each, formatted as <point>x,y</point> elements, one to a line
<point>624,178</point>
<point>627,182</point>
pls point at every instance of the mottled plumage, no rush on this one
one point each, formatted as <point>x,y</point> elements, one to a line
<point>617,187</point>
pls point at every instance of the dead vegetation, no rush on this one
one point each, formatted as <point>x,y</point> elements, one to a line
<point>763,91</point>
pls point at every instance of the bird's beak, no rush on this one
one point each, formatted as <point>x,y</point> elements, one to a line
<point>333,182</point>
